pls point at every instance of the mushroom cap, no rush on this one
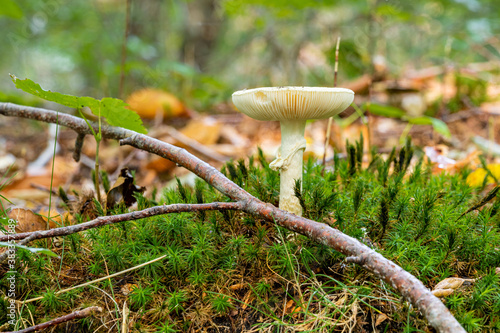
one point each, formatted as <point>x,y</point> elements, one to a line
<point>292,103</point>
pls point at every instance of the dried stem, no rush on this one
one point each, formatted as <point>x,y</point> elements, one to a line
<point>330,120</point>
<point>105,220</point>
<point>75,315</point>
<point>410,287</point>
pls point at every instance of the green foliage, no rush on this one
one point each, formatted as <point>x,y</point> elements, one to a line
<point>394,206</point>
<point>140,297</point>
<point>394,112</point>
<point>221,304</point>
<point>114,110</point>
<point>10,9</point>
<point>31,249</point>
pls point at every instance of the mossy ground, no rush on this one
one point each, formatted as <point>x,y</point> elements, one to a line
<point>230,272</point>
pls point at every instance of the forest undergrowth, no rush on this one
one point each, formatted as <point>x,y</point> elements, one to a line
<point>226,271</point>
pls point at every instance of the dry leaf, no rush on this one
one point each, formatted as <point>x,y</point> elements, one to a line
<point>238,286</point>
<point>380,319</point>
<point>55,219</point>
<point>123,190</point>
<point>442,292</point>
<point>450,283</point>
<point>476,177</point>
<point>205,130</point>
<point>126,289</point>
<point>148,102</point>
<point>27,221</point>
<point>160,164</point>
<point>497,270</point>
<point>289,306</point>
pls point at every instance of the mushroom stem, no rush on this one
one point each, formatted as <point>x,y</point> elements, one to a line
<point>289,161</point>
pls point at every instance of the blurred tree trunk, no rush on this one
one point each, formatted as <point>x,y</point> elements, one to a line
<point>202,28</point>
<point>145,19</point>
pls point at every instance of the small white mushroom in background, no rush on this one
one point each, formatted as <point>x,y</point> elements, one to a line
<point>292,107</point>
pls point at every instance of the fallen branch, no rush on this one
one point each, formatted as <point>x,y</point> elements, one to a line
<point>75,315</point>
<point>105,220</point>
<point>28,238</point>
<point>409,286</point>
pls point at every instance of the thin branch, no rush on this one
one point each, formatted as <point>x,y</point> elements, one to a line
<point>191,144</point>
<point>410,287</point>
<point>75,315</point>
<point>136,215</point>
<point>31,236</point>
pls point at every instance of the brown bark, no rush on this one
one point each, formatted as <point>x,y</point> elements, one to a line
<point>105,220</point>
<point>75,315</point>
<point>409,286</point>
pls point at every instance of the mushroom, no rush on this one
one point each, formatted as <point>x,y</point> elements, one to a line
<point>292,107</point>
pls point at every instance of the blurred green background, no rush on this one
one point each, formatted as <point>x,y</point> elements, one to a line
<point>203,50</point>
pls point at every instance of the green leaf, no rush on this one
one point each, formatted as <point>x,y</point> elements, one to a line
<point>31,249</point>
<point>4,221</point>
<point>11,9</point>
<point>420,120</point>
<point>438,125</point>
<point>441,127</point>
<point>114,110</point>
<point>385,110</point>
<point>117,114</point>
<point>393,12</point>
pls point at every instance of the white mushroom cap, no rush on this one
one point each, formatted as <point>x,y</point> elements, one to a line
<point>292,103</point>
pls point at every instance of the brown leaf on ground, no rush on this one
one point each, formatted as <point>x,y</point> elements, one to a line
<point>205,130</point>
<point>123,190</point>
<point>449,285</point>
<point>127,288</point>
<point>54,218</point>
<point>452,283</point>
<point>442,292</point>
<point>148,102</point>
<point>160,164</point>
<point>238,286</point>
<point>27,220</point>
<point>380,319</point>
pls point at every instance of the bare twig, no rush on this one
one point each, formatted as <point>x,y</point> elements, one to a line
<point>29,238</point>
<point>105,220</point>
<point>409,286</point>
<point>75,315</point>
<point>191,144</point>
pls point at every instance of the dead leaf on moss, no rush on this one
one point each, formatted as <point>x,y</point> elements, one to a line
<point>27,220</point>
<point>238,286</point>
<point>449,285</point>
<point>442,292</point>
<point>127,288</point>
